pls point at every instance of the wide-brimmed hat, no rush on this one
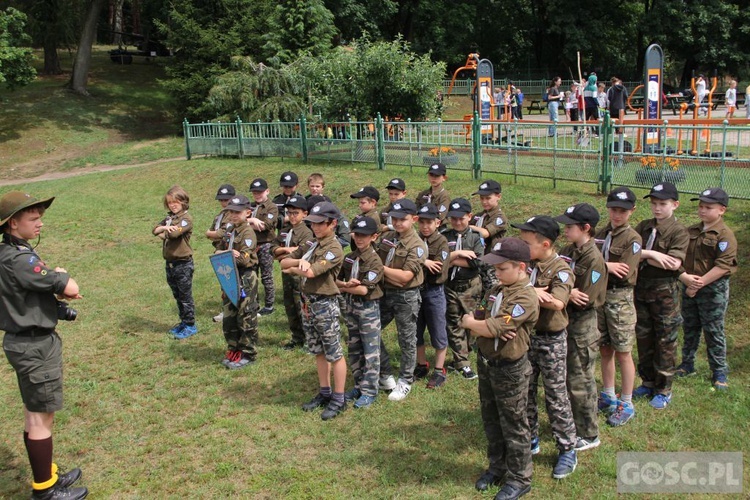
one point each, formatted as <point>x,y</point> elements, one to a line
<point>15,201</point>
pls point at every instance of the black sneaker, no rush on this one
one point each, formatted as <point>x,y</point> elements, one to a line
<point>319,401</point>
<point>486,480</point>
<point>333,409</point>
<point>468,373</point>
<point>511,492</point>
<point>437,379</point>
<point>58,493</point>
<point>291,346</point>
<point>265,311</point>
<point>421,371</point>
<point>67,479</point>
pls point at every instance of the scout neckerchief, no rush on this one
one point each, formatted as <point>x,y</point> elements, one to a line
<point>288,239</point>
<point>649,244</point>
<point>606,245</point>
<point>493,312</point>
<point>392,252</point>
<point>307,257</point>
<point>354,274</point>
<point>535,272</point>
<point>459,246</point>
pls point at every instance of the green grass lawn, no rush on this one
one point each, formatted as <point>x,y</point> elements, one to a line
<point>150,417</point>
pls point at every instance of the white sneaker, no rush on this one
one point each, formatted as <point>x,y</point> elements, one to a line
<point>402,390</point>
<point>219,317</point>
<point>387,383</point>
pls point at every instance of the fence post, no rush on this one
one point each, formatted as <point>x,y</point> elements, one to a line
<point>476,139</point>
<point>723,153</point>
<point>380,142</point>
<point>186,133</point>
<point>303,137</point>
<point>606,167</point>
<point>240,151</point>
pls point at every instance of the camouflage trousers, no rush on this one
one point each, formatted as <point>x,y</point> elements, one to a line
<point>293,306</point>
<point>706,311</point>
<point>363,323</point>
<point>583,349</point>
<point>180,281</point>
<point>403,306</point>
<point>503,397</point>
<point>461,298</point>
<point>265,265</point>
<point>657,306</point>
<point>547,354</point>
<point>240,324</point>
<point>322,327</point>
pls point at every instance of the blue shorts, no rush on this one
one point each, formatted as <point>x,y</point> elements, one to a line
<point>432,316</point>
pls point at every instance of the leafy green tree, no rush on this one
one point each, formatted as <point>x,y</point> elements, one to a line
<point>298,27</point>
<point>356,18</point>
<point>15,59</point>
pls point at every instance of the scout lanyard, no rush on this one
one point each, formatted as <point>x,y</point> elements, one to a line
<point>307,257</point>
<point>459,246</point>
<point>391,252</point>
<point>288,239</point>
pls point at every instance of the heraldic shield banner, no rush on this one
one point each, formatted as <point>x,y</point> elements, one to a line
<point>226,271</point>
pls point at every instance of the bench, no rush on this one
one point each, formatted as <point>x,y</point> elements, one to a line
<point>537,105</point>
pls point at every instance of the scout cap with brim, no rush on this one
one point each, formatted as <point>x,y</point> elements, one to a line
<point>489,187</point>
<point>403,208</point>
<point>664,191</point>
<point>713,195</point>
<point>541,224</point>
<point>621,197</point>
<point>582,213</point>
<point>459,207</point>
<point>508,249</point>
<point>364,225</point>
<point>297,202</point>
<point>428,211</point>
<point>323,211</point>
<point>239,203</point>
<point>15,201</point>
<point>225,192</point>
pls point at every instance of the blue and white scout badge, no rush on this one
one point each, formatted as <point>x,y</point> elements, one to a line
<point>636,247</point>
<point>723,245</point>
<point>225,267</point>
<point>444,255</point>
<point>517,311</point>
<point>184,223</point>
<point>442,208</point>
<point>420,252</point>
<point>270,216</point>
<point>499,221</point>
<point>371,275</point>
<point>595,276</point>
<point>329,255</point>
<point>248,242</point>
<point>354,274</point>
<point>563,275</point>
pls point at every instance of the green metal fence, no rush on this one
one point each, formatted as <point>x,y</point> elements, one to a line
<point>693,157</point>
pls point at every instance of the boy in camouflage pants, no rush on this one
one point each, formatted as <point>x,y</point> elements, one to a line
<point>263,220</point>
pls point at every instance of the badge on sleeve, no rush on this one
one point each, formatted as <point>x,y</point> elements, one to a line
<point>723,245</point>
<point>420,252</point>
<point>329,255</point>
<point>636,247</point>
<point>270,216</point>
<point>346,224</point>
<point>563,275</point>
<point>371,275</point>
<point>595,276</point>
<point>248,242</point>
<point>517,311</point>
<point>444,254</point>
<point>442,208</point>
<point>499,221</point>
<point>184,223</point>
<point>37,269</point>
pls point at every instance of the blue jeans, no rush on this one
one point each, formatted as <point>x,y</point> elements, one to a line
<point>552,107</point>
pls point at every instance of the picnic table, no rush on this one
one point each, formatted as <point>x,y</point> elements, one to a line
<point>536,105</point>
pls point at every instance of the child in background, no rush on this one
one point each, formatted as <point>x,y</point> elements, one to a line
<point>436,193</point>
<point>601,99</point>
<point>175,231</point>
<point>315,185</point>
<point>367,198</point>
<point>396,191</point>
<point>731,99</point>
<point>263,219</point>
<point>288,183</point>
<point>217,230</point>
<point>490,224</point>
<point>711,259</point>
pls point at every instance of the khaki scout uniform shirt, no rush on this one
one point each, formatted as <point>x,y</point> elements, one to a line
<point>221,221</point>
<point>590,272</point>
<point>27,288</point>
<point>410,255</point>
<point>555,275</point>
<point>437,249</point>
<point>494,222</point>
<point>625,247</point>
<point>370,272</point>
<point>325,263</point>
<point>301,234</point>
<point>176,245</point>
<point>268,214</point>
<point>242,238</point>
<point>518,312</point>
<point>441,200</point>
<point>470,241</point>
<point>716,247</point>
<point>672,239</point>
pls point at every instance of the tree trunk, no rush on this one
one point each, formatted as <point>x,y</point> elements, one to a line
<point>51,60</point>
<point>80,76</point>
<point>117,22</point>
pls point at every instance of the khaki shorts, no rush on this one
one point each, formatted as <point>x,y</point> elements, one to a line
<point>617,319</point>
<point>37,360</point>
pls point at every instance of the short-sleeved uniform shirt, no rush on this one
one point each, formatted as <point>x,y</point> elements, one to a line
<point>672,238</point>
<point>470,240</point>
<point>221,221</point>
<point>590,272</point>
<point>409,255</point>
<point>715,247</point>
<point>325,263</point>
<point>293,236</point>
<point>518,312</point>
<point>441,200</point>
<point>494,222</point>
<point>555,275</point>
<point>370,273</point>
<point>269,215</point>
<point>625,247</point>
<point>176,245</point>
<point>437,250</point>
<point>242,238</point>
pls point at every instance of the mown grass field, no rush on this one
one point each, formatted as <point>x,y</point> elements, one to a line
<point>150,417</point>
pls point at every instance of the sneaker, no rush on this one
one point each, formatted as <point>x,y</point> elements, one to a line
<point>290,346</point>
<point>486,480</point>
<point>468,373</point>
<point>58,493</point>
<point>67,479</point>
<point>402,390</point>
<point>622,415</point>
<point>265,311</point>
<point>177,328</point>
<point>607,404</point>
<point>387,383</point>
<point>352,394</point>
<point>319,401</point>
<point>437,379</point>
<point>187,331</point>
<point>421,371</point>
<point>218,318</point>
<point>684,370</point>
<point>566,464</point>
<point>583,444</point>
<point>660,401</point>
<point>232,356</point>
<point>511,492</point>
<point>535,445</point>
<point>333,409</point>
<point>364,401</point>
<point>643,392</point>
<point>243,361</point>
<point>720,382</point>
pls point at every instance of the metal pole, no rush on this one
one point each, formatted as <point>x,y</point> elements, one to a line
<point>186,133</point>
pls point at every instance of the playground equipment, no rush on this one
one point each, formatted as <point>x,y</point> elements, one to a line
<point>696,108</point>
<point>484,103</point>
